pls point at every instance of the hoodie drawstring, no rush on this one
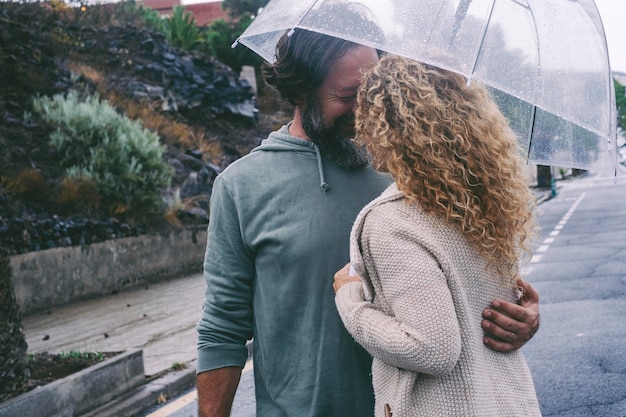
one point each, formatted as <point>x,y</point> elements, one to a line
<point>323,184</point>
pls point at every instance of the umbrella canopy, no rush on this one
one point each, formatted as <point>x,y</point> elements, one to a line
<point>544,61</point>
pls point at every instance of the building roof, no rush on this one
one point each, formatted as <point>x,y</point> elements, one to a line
<point>204,13</point>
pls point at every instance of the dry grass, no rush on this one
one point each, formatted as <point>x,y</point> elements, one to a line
<point>29,183</point>
<point>170,130</point>
<point>90,73</point>
<point>76,195</point>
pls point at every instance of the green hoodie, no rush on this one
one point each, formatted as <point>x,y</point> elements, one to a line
<point>279,230</point>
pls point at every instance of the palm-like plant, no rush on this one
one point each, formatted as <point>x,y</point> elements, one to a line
<point>181,29</point>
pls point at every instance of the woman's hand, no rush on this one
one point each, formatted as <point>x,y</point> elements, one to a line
<point>342,277</point>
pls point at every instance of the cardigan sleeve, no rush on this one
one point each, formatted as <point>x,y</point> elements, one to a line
<point>420,330</point>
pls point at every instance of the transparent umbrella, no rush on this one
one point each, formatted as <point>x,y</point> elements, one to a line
<point>545,61</point>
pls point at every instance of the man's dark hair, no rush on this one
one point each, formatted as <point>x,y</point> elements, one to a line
<point>303,57</point>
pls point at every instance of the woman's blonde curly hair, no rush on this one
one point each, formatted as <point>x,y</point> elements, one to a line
<point>449,149</point>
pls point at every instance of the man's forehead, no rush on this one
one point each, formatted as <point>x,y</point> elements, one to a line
<point>345,74</point>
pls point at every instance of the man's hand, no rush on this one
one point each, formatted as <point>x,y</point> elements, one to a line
<point>507,325</point>
<point>342,277</point>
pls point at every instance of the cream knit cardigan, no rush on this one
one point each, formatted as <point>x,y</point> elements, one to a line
<point>418,313</point>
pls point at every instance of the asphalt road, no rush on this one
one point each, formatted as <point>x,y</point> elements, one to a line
<point>578,357</point>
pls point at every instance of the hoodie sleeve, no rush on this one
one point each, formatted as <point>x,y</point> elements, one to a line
<point>226,322</point>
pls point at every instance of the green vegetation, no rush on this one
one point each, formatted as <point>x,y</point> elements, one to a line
<point>178,366</point>
<point>238,8</point>
<point>82,355</point>
<point>216,40</point>
<point>150,16</point>
<point>620,99</point>
<point>219,40</point>
<point>181,30</point>
<point>98,145</point>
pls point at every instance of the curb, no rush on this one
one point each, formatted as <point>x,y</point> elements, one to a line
<point>545,197</point>
<point>542,194</point>
<point>148,395</point>
<point>152,393</point>
<point>78,393</point>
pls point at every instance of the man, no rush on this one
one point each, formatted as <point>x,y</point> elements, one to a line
<point>279,230</point>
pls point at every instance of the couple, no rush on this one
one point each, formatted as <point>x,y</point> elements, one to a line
<point>280,227</point>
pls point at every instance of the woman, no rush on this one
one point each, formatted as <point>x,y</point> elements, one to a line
<point>437,246</point>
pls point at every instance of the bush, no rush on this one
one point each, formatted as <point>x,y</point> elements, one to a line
<point>181,29</point>
<point>98,145</point>
<point>620,99</point>
<point>151,17</point>
<point>219,40</point>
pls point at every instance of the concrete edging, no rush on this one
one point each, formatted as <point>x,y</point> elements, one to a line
<point>83,391</point>
<point>166,387</point>
<point>59,276</point>
<point>151,394</point>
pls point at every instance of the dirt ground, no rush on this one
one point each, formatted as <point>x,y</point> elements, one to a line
<point>46,367</point>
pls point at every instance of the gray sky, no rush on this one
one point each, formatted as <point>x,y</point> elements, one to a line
<point>613,13</point>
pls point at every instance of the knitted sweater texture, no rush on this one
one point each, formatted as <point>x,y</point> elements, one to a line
<point>418,313</point>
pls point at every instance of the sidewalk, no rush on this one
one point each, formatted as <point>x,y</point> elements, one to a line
<point>160,319</point>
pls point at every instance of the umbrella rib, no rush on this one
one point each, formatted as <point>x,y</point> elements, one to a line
<point>482,41</point>
<point>530,134</point>
<point>459,15</point>
<point>521,4</point>
<point>293,29</point>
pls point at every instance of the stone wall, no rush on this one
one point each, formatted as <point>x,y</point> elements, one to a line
<point>54,277</point>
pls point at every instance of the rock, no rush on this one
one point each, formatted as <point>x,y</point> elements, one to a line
<point>193,215</point>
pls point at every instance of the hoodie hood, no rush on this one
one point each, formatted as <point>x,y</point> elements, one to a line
<point>281,140</point>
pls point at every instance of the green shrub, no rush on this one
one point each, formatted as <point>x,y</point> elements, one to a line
<point>97,144</point>
<point>620,99</point>
<point>151,17</point>
<point>219,40</point>
<point>181,30</point>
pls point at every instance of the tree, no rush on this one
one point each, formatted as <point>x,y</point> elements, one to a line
<point>219,40</point>
<point>620,100</point>
<point>14,369</point>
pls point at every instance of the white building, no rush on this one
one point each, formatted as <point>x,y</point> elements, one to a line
<point>620,77</point>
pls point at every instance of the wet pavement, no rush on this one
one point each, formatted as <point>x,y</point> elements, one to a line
<point>159,318</point>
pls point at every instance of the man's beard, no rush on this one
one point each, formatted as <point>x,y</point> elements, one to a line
<point>331,142</point>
